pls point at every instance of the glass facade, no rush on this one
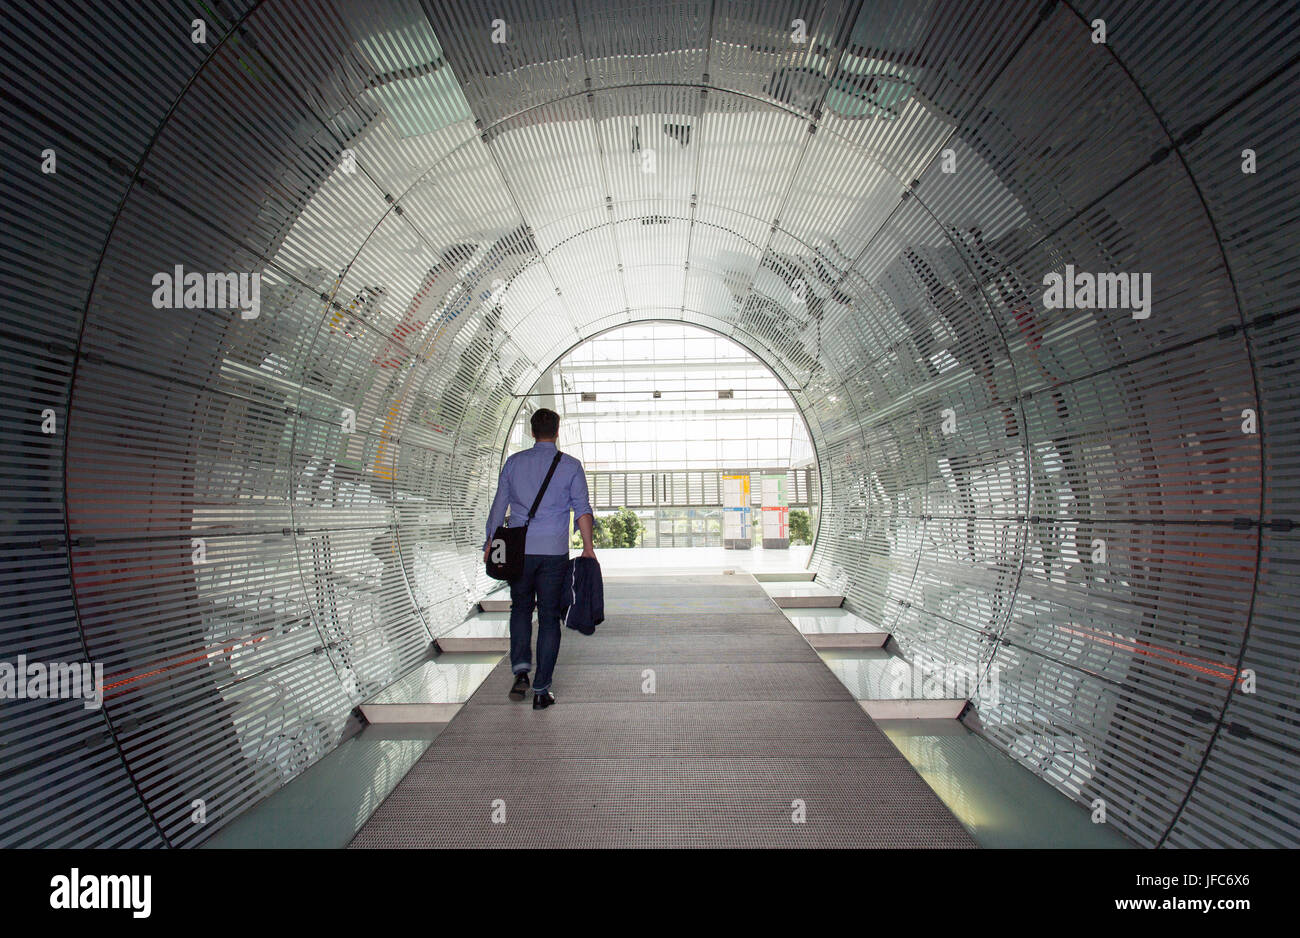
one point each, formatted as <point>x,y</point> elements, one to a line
<point>668,396</point>
<point>656,412</point>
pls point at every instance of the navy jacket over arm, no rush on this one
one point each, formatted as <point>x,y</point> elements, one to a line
<point>584,594</point>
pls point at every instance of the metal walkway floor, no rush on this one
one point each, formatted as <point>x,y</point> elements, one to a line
<point>747,730</point>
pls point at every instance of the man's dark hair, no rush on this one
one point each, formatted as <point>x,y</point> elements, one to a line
<point>546,424</point>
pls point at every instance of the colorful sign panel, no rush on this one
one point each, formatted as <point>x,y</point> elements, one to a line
<point>776,512</point>
<point>735,512</point>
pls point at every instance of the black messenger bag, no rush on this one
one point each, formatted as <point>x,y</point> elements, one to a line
<point>506,550</point>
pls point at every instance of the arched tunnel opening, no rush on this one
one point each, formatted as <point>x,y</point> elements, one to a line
<point>276,275</point>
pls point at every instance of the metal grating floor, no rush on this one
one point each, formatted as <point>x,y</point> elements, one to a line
<point>745,721</point>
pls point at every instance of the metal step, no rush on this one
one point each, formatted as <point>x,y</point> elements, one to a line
<point>410,712</point>
<point>913,709</point>
<point>844,641</point>
<point>810,601</point>
<point>888,687</point>
<point>455,643</point>
<point>802,595</point>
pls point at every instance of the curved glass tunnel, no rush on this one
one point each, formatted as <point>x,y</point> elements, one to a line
<point>269,297</point>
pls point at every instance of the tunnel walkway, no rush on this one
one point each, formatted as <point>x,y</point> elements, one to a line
<point>747,740</point>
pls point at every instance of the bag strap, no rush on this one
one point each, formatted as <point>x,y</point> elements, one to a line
<point>542,491</point>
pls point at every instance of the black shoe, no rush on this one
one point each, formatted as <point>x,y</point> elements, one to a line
<point>521,686</point>
<point>543,700</point>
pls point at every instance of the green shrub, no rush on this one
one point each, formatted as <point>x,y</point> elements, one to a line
<point>599,535</point>
<point>632,527</point>
<point>800,527</point>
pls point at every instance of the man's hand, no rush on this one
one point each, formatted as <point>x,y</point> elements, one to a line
<point>589,552</point>
<point>487,552</point>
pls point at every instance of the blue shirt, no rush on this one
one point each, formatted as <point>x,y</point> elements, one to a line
<point>521,477</point>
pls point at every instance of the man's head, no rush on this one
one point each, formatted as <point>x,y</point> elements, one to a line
<point>546,425</point>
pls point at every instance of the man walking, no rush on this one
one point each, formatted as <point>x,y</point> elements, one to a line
<point>546,550</point>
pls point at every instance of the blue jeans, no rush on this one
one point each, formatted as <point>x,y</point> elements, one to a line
<point>539,586</point>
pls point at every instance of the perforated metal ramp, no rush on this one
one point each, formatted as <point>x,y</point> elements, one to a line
<point>745,725</point>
